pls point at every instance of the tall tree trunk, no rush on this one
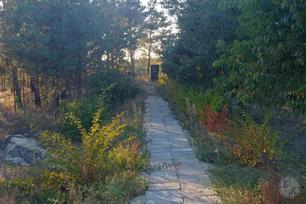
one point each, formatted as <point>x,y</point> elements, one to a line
<point>55,96</point>
<point>23,87</point>
<point>149,54</point>
<point>78,84</point>
<point>55,102</point>
<point>35,89</point>
<point>108,61</point>
<point>16,89</point>
<point>2,84</point>
<point>113,61</point>
<point>132,55</point>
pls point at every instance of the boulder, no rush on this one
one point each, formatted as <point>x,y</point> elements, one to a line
<point>22,150</point>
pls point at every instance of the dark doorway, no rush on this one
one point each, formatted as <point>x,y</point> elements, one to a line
<point>154,72</point>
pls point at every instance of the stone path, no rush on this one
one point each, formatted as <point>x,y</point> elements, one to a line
<point>176,175</point>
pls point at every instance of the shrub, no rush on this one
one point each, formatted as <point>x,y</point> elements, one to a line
<point>163,80</point>
<point>105,91</point>
<point>200,99</point>
<point>297,100</point>
<point>127,156</point>
<point>16,189</point>
<point>99,157</point>
<point>238,185</point>
<point>270,190</point>
<point>90,161</point>
<point>215,121</point>
<point>84,110</point>
<point>253,144</point>
<point>176,94</point>
<point>119,189</point>
<point>104,164</point>
<point>112,86</point>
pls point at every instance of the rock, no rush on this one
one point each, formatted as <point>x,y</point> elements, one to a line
<point>22,150</point>
<point>16,161</point>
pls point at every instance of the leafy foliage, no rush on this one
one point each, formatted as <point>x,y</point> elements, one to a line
<point>112,86</point>
<point>235,147</point>
<point>89,162</point>
<point>104,167</point>
<point>250,51</point>
<point>84,109</point>
<point>37,26</point>
<point>200,99</point>
<point>253,144</point>
<point>106,90</point>
<point>190,58</point>
<point>239,53</point>
<point>215,121</point>
<point>56,45</point>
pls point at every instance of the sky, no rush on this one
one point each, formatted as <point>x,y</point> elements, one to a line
<point>144,2</point>
<point>159,7</point>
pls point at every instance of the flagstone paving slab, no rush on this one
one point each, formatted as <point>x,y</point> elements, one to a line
<point>164,197</point>
<point>163,176</point>
<point>164,186</point>
<point>176,175</point>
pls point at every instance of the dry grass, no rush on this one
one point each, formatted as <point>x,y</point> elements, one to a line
<point>270,191</point>
<point>29,121</point>
<point>8,173</point>
<point>8,199</point>
<point>7,100</point>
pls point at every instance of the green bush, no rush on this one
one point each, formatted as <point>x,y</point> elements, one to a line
<point>105,90</point>
<point>93,159</point>
<point>22,187</point>
<point>83,109</point>
<point>112,86</point>
<point>104,167</point>
<point>119,189</point>
<point>251,143</point>
<point>236,184</point>
<point>48,196</point>
<point>201,99</point>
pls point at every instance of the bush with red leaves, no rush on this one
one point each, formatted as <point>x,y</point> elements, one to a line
<point>215,121</point>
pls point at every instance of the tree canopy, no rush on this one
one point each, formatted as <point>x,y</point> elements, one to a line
<point>252,51</point>
<point>58,43</point>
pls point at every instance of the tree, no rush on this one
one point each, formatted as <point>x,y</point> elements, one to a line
<point>251,51</point>
<point>47,39</point>
<point>156,29</point>
<point>118,27</point>
<point>134,15</point>
<point>190,56</point>
<point>58,43</point>
<point>269,54</point>
<point>7,63</point>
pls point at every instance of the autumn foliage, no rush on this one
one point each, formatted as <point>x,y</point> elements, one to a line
<point>215,121</point>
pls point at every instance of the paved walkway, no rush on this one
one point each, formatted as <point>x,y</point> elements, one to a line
<point>176,175</point>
